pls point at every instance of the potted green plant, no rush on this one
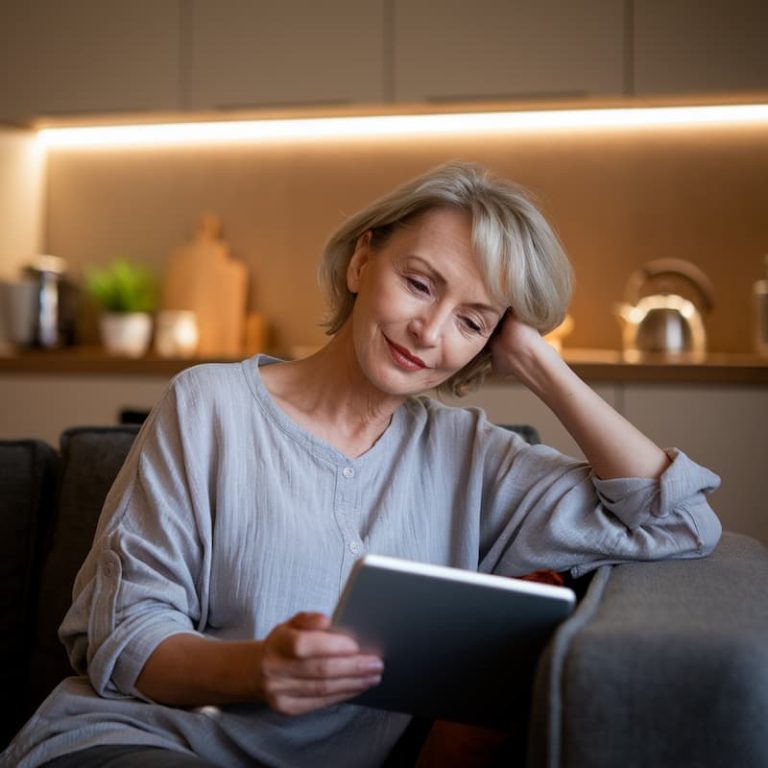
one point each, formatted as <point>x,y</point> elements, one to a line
<point>126,295</point>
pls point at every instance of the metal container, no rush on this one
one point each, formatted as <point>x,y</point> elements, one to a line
<point>665,323</point>
<point>54,311</point>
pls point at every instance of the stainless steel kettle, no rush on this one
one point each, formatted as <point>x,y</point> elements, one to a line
<point>665,322</point>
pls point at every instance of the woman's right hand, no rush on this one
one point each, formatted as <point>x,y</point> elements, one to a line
<point>303,666</point>
<point>299,667</point>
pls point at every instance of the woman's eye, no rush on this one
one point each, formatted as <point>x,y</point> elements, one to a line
<point>472,325</point>
<point>418,285</point>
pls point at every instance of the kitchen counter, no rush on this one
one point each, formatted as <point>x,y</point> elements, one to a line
<point>600,365</point>
<point>592,365</point>
<point>93,360</point>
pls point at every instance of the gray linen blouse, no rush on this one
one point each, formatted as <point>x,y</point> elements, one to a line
<point>228,518</point>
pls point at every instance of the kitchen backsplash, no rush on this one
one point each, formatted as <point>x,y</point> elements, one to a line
<point>618,199</point>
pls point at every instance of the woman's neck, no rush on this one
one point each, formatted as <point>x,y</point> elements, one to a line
<point>328,395</point>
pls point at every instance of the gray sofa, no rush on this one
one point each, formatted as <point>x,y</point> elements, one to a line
<point>662,664</point>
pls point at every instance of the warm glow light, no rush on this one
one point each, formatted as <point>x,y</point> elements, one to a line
<point>400,125</point>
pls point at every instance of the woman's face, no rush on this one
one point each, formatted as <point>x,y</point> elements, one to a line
<point>422,310</point>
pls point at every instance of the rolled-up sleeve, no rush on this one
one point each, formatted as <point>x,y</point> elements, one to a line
<point>546,510</point>
<point>145,576</point>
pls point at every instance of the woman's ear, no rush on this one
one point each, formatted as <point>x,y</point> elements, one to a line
<point>357,263</point>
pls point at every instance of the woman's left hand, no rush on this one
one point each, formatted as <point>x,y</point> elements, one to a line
<point>514,346</point>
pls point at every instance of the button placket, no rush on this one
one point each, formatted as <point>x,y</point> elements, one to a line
<point>346,497</point>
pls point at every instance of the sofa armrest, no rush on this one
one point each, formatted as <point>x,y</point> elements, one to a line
<point>662,664</point>
<point>27,487</point>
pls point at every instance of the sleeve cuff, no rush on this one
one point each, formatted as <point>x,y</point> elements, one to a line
<point>129,657</point>
<point>633,500</point>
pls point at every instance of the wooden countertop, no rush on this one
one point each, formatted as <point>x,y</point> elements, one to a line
<point>599,365</point>
<point>593,365</point>
<point>93,361</point>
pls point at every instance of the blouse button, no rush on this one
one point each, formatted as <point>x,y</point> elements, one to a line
<point>354,547</point>
<point>348,472</point>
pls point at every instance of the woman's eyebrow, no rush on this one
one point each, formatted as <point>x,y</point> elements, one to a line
<point>429,267</point>
<point>488,309</point>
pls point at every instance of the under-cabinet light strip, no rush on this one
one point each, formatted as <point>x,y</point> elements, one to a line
<point>400,125</point>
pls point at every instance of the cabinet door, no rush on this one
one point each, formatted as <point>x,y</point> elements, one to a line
<point>723,428</point>
<point>250,53</point>
<point>87,56</point>
<point>451,49</point>
<point>689,46</point>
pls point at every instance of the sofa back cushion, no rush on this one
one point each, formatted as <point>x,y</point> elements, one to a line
<point>27,484</point>
<point>90,459</point>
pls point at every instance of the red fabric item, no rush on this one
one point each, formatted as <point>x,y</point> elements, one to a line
<point>545,577</point>
<point>454,745</point>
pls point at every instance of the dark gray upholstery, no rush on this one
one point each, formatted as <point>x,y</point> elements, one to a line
<point>663,664</point>
<point>27,482</point>
<point>528,433</point>
<point>90,459</point>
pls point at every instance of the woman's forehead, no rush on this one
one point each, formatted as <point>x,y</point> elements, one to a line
<point>442,241</point>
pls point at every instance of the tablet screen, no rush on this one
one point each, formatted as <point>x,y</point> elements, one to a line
<point>457,645</point>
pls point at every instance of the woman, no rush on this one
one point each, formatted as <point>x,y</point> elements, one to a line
<point>200,617</point>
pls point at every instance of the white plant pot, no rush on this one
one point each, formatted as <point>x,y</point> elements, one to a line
<point>127,333</point>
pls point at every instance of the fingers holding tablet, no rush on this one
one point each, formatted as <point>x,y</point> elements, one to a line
<point>304,666</point>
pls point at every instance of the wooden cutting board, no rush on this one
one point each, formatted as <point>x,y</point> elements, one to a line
<point>203,277</point>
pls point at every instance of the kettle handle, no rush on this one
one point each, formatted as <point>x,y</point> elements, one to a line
<point>678,268</point>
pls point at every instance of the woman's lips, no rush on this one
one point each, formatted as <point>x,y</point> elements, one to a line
<point>404,358</point>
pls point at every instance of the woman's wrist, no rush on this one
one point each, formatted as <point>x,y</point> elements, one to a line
<point>241,671</point>
<point>535,364</point>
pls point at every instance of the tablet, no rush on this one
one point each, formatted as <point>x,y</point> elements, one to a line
<point>457,645</point>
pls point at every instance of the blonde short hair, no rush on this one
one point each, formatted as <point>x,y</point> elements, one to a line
<point>524,264</point>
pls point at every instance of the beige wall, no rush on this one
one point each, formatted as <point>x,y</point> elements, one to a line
<point>21,192</point>
<point>22,174</point>
<point>618,199</point>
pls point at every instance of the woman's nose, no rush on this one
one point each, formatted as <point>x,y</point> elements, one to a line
<point>427,328</point>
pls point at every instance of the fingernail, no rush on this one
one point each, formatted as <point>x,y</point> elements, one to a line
<point>369,681</point>
<point>374,665</point>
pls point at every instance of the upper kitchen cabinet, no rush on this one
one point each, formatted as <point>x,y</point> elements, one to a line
<point>87,56</point>
<point>500,49</point>
<point>689,46</point>
<point>255,53</point>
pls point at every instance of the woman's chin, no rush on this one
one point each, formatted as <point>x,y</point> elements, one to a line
<point>396,382</point>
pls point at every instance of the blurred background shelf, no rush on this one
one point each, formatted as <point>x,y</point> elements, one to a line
<point>94,361</point>
<point>592,365</point>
